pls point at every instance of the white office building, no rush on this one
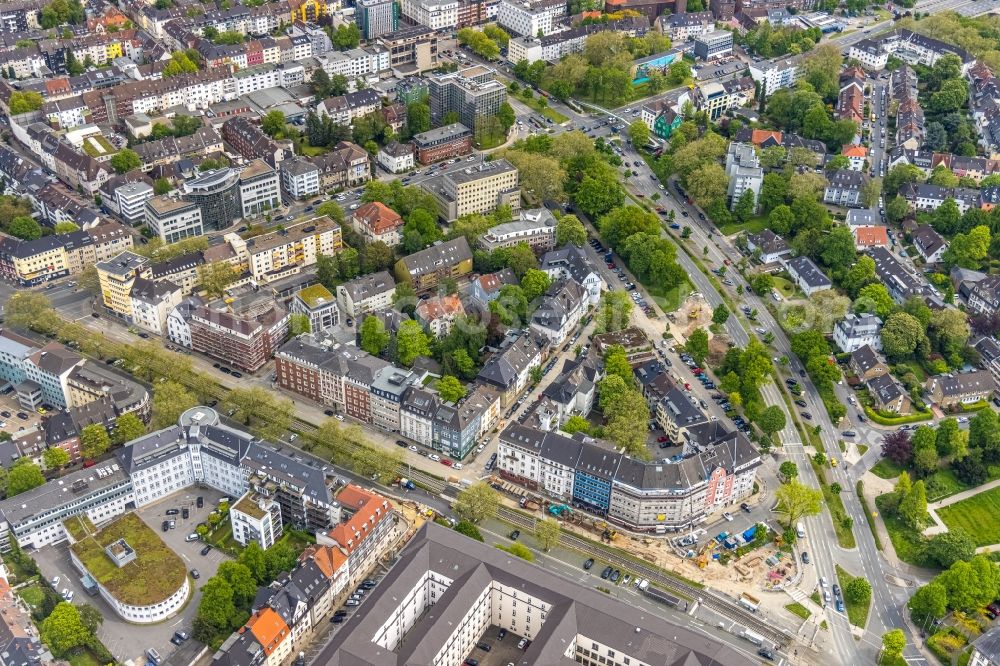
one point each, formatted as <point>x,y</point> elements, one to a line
<point>131,199</point>
<point>527,18</point>
<point>172,218</point>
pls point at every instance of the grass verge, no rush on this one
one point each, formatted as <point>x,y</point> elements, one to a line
<point>976,515</point>
<point>795,608</point>
<point>546,111</point>
<point>909,544</point>
<point>886,469</point>
<point>857,613</point>
<point>860,487</point>
<point>753,226</point>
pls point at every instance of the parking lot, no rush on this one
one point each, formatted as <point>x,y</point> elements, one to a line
<point>502,651</point>
<point>129,641</point>
<point>10,413</point>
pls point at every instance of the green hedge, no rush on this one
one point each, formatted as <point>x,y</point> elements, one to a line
<point>896,420</point>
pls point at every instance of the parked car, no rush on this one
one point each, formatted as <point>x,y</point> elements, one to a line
<point>515,535</point>
<point>588,564</point>
<point>606,573</point>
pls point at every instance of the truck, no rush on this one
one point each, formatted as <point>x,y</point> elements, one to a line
<point>753,637</point>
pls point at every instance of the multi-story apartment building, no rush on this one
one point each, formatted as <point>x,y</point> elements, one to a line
<point>910,47</point>
<point>365,533</point>
<point>472,92</point>
<point>443,143</point>
<point>285,252</point>
<point>480,188</point>
<point>250,141</point>
<point>131,199</point>
<point>438,15</point>
<point>642,496</point>
<point>427,268</point>
<point>377,17</point>
<point>686,25</point>
<point>745,174</point>
<point>299,177</point>
<point>116,278</point>
<point>319,305</point>
<point>712,45</point>
<point>963,388</point>
<point>411,46</point>
<point>245,340</point>
<point>365,294</point>
<point>172,218</point>
<point>570,262</point>
<point>529,19</point>
<point>387,389</point>
<point>152,301</point>
<point>509,369</point>
<point>774,75</point>
<point>536,227</point>
<point>856,331</point>
<point>558,44</point>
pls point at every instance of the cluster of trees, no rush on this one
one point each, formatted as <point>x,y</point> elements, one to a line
<point>635,235</point>
<point>923,451</point>
<point>742,373</point>
<point>231,37</point>
<point>323,85</point>
<point>802,110</point>
<point>945,97</point>
<point>69,628</point>
<point>485,43</point>
<point>697,162</point>
<point>408,343</point>
<point>936,338</point>
<point>345,36</point>
<point>625,410</point>
<point>61,12</point>
<point>125,160</point>
<point>180,125</point>
<point>322,131</point>
<point>967,585</point>
<point>182,62</point>
<point>907,501</point>
<point>227,596</point>
<point>25,101</point>
<point>813,350</point>
<point>769,41</point>
<point>602,72</point>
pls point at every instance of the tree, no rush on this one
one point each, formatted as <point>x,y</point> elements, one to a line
<point>94,440</point>
<point>858,591</point>
<point>771,420</point>
<point>128,427</point>
<point>720,315</point>
<point>788,470</point>
<point>929,602</point>
<point>875,298</point>
<point>773,191</point>
<point>795,500</point>
<point>450,389</point>
<point>180,63</point>
<point>273,123</point>
<point>63,629</point>
<point>477,503</point>
<point>535,283</point>
<point>901,334</point>
<point>216,612</point>
<point>569,230</point>
<point>66,227</point>
<point>23,476</point>
<point>371,461</point>
<point>346,36</point>
<point>91,617</point>
<point>576,423</point>
<point>216,277</point>
<point>298,324</point>
<point>893,643</point>
<point>547,533</point>
<point>469,530</point>
<point>897,447</point>
<point>25,102</point>
<point>697,345</point>
<point>54,458</point>
<point>952,546</point>
<point>411,342</point>
<point>241,580</point>
<point>639,133</point>
<point>252,557</point>
<point>418,118</point>
<point>25,228</point>
<point>707,184</point>
<point>597,194</point>
<point>170,400</point>
<point>126,160</point>
<point>913,507</point>
<point>614,311</point>
<point>781,219</point>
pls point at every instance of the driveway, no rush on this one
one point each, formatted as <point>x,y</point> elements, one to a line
<point>124,639</point>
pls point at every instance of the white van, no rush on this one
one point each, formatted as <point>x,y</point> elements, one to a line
<point>800,530</point>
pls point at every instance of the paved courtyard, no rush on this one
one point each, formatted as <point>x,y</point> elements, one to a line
<point>126,640</point>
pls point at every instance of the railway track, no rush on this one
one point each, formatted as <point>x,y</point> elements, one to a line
<point>656,577</point>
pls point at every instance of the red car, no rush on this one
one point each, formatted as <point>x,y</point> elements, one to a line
<point>445,461</point>
<point>697,371</point>
<point>687,387</point>
<point>662,439</point>
<point>611,264</point>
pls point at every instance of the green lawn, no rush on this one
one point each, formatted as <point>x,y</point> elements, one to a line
<point>32,595</point>
<point>84,657</point>
<point>886,469</point>
<point>487,143</point>
<point>976,515</point>
<point>909,544</point>
<point>845,535</point>
<point>943,483</point>
<point>311,151</point>
<point>546,111</point>
<point>784,287</point>
<point>856,613</point>
<point>670,300</point>
<point>754,225</point>
<point>795,608</point>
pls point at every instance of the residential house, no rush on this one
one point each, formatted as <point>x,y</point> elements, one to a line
<point>438,313</point>
<point>929,243</point>
<point>984,296</point>
<point>965,388</point>
<point>377,222</point>
<point>396,157</point>
<point>856,155</point>
<point>866,364</point>
<point>807,275</point>
<point>367,293</point>
<point>771,246</point>
<point>855,331</point>
<point>486,288</point>
<point>427,268</point>
<point>571,262</point>
<point>574,390</point>
<point>560,311</point>
<point>845,188</point>
<point>509,369</point>
<point>989,355</point>
<point>888,395</point>
<point>868,237</point>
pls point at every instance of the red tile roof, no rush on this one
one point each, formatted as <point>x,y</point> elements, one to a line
<point>268,628</point>
<point>871,236</point>
<point>369,508</point>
